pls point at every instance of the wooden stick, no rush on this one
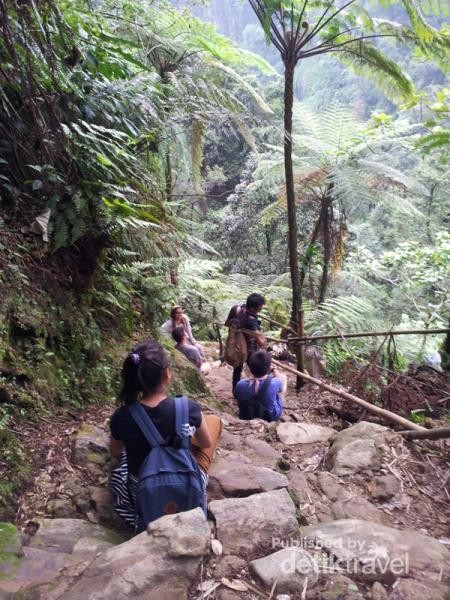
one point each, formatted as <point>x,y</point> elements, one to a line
<point>300,349</point>
<point>253,333</point>
<point>308,338</point>
<point>389,416</point>
<point>216,327</point>
<point>429,434</point>
<point>287,327</point>
<point>311,338</point>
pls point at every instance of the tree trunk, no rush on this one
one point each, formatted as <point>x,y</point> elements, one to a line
<point>326,224</point>
<point>290,191</point>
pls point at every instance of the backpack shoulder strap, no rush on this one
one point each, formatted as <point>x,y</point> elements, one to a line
<point>181,418</point>
<point>262,390</point>
<point>146,425</point>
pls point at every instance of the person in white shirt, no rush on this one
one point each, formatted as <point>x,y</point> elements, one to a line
<point>179,319</point>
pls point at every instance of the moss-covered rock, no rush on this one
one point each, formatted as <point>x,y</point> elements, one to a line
<point>10,549</point>
<point>15,470</point>
<point>186,378</point>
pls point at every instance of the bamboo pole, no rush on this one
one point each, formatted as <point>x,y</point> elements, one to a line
<point>429,434</point>
<point>352,335</point>
<point>253,333</point>
<point>287,327</point>
<point>386,414</point>
<point>309,338</point>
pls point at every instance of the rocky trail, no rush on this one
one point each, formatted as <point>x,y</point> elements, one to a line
<point>306,508</point>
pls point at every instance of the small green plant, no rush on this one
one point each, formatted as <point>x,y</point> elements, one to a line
<point>417,416</point>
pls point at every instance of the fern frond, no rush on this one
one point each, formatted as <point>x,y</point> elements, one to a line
<point>432,141</point>
<point>245,132</point>
<point>250,89</point>
<point>366,60</point>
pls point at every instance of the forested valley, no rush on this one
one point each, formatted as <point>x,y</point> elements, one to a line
<point>158,153</point>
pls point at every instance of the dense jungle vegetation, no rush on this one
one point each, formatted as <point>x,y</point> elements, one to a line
<point>143,162</point>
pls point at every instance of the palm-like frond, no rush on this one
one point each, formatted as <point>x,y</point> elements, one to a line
<point>366,60</point>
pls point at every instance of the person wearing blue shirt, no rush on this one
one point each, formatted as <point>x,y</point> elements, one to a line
<point>261,397</point>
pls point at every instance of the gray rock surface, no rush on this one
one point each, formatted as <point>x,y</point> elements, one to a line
<point>375,552</point>
<point>303,433</point>
<point>378,592</point>
<point>236,478</point>
<point>36,567</point>
<point>91,445</point>
<point>411,589</point>
<point>358,507</point>
<point>160,563</point>
<point>101,500</point>
<point>289,567</point>
<point>243,524</point>
<point>384,487</point>
<point>361,447</point>
<point>256,451</point>
<point>61,535</point>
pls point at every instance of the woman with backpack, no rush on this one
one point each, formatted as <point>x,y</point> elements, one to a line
<point>151,433</point>
<point>179,319</point>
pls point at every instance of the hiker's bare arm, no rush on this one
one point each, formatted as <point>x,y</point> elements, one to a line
<point>202,437</point>
<point>115,447</point>
<point>260,339</point>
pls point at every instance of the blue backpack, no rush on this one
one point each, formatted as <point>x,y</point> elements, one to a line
<point>169,480</point>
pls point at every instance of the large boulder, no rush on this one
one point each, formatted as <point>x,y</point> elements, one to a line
<point>62,535</point>
<point>56,545</point>
<point>159,563</point>
<point>236,478</point>
<point>357,507</point>
<point>362,447</point>
<point>101,500</point>
<point>10,550</point>
<point>412,589</point>
<point>91,445</point>
<point>303,433</point>
<point>249,448</point>
<point>288,567</point>
<point>244,525</point>
<point>374,552</point>
<point>316,492</point>
<point>35,567</point>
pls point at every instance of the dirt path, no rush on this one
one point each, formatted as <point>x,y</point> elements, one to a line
<point>422,469</point>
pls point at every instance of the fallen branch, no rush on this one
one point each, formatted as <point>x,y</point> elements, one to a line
<point>438,433</point>
<point>386,414</point>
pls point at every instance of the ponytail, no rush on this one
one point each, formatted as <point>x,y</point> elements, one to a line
<point>142,371</point>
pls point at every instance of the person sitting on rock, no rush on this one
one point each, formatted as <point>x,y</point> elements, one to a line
<point>192,353</point>
<point>146,377</point>
<point>179,319</point>
<point>262,396</point>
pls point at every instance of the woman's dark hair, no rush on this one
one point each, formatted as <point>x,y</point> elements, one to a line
<point>173,311</point>
<point>142,370</point>
<point>259,363</point>
<point>178,334</point>
<point>255,301</point>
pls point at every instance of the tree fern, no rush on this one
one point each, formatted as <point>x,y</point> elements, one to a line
<point>198,127</point>
<point>366,60</point>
